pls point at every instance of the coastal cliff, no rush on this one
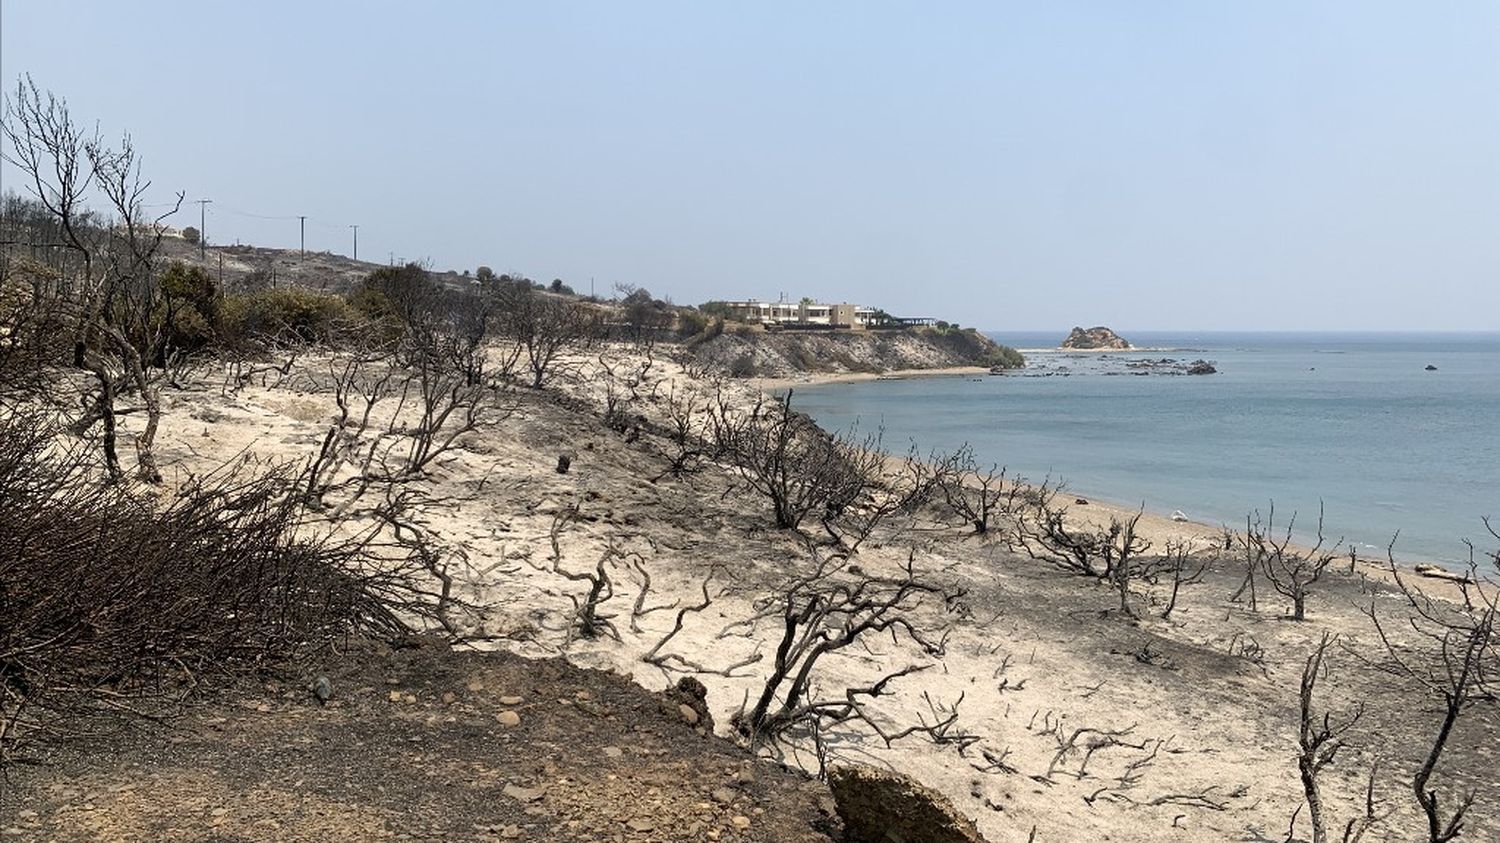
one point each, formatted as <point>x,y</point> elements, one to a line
<point>755,353</point>
<point>1095,337</point>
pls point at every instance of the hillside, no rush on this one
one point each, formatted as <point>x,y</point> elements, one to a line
<point>755,353</point>
<point>415,742</point>
<point>244,266</point>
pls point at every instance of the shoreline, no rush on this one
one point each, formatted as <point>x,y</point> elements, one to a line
<point>774,385</point>
<point>1157,526</point>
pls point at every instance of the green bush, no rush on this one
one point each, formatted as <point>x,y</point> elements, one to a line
<point>691,323</point>
<point>190,305</point>
<point>287,312</point>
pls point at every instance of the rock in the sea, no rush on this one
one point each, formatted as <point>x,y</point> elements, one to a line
<point>1201,367</point>
<point>1431,368</point>
<point>1096,337</point>
<point>879,806</point>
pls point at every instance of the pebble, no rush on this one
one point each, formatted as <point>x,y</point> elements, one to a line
<point>508,718</point>
<point>724,795</point>
<point>510,700</point>
<point>641,824</point>
<point>689,714</point>
<point>394,696</point>
<point>475,685</point>
<point>613,752</point>
<point>449,697</point>
<point>522,794</point>
<point>741,822</point>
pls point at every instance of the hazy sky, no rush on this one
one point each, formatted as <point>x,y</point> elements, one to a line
<point>1147,165</point>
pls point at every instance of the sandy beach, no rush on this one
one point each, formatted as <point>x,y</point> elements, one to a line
<point>778,385</point>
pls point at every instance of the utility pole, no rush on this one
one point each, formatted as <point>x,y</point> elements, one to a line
<point>356,241</point>
<point>203,228</point>
<point>302,224</point>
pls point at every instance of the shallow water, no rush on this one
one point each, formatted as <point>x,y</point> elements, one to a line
<point>1353,420</point>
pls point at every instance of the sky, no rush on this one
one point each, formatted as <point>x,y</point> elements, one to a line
<point>1010,166</point>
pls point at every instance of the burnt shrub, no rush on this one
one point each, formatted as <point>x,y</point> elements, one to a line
<point>117,600</point>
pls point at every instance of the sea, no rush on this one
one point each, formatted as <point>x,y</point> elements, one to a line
<point>1354,424</point>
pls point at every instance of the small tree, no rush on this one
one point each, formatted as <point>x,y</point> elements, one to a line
<point>789,460</point>
<point>191,235</point>
<point>1460,670</point>
<point>1291,572</point>
<point>547,329</point>
<point>1319,739</point>
<point>822,612</point>
<point>979,496</point>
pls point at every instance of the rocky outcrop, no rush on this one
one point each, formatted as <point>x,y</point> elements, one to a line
<point>745,352</point>
<point>1093,338</point>
<point>881,807</point>
<point>1201,367</point>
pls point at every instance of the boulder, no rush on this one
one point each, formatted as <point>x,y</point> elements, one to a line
<point>1431,368</point>
<point>878,806</point>
<point>1201,367</point>
<point>1096,337</point>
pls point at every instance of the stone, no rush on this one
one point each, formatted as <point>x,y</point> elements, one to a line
<point>690,694</point>
<point>510,700</point>
<point>641,824</point>
<point>740,822</point>
<point>564,462</point>
<point>522,794</point>
<point>322,690</point>
<point>724,795</point>
<point>613,752</point>
<point>508,718</point>
<point>878,806</point>
<point>1201,367</point>
<point>394,696</point>
<point>449,698</point>
<point>1431,368</point>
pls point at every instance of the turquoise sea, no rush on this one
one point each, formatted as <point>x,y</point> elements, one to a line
<point>1353,420</point>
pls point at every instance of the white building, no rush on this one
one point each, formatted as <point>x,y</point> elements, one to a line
<point>805,312</point>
